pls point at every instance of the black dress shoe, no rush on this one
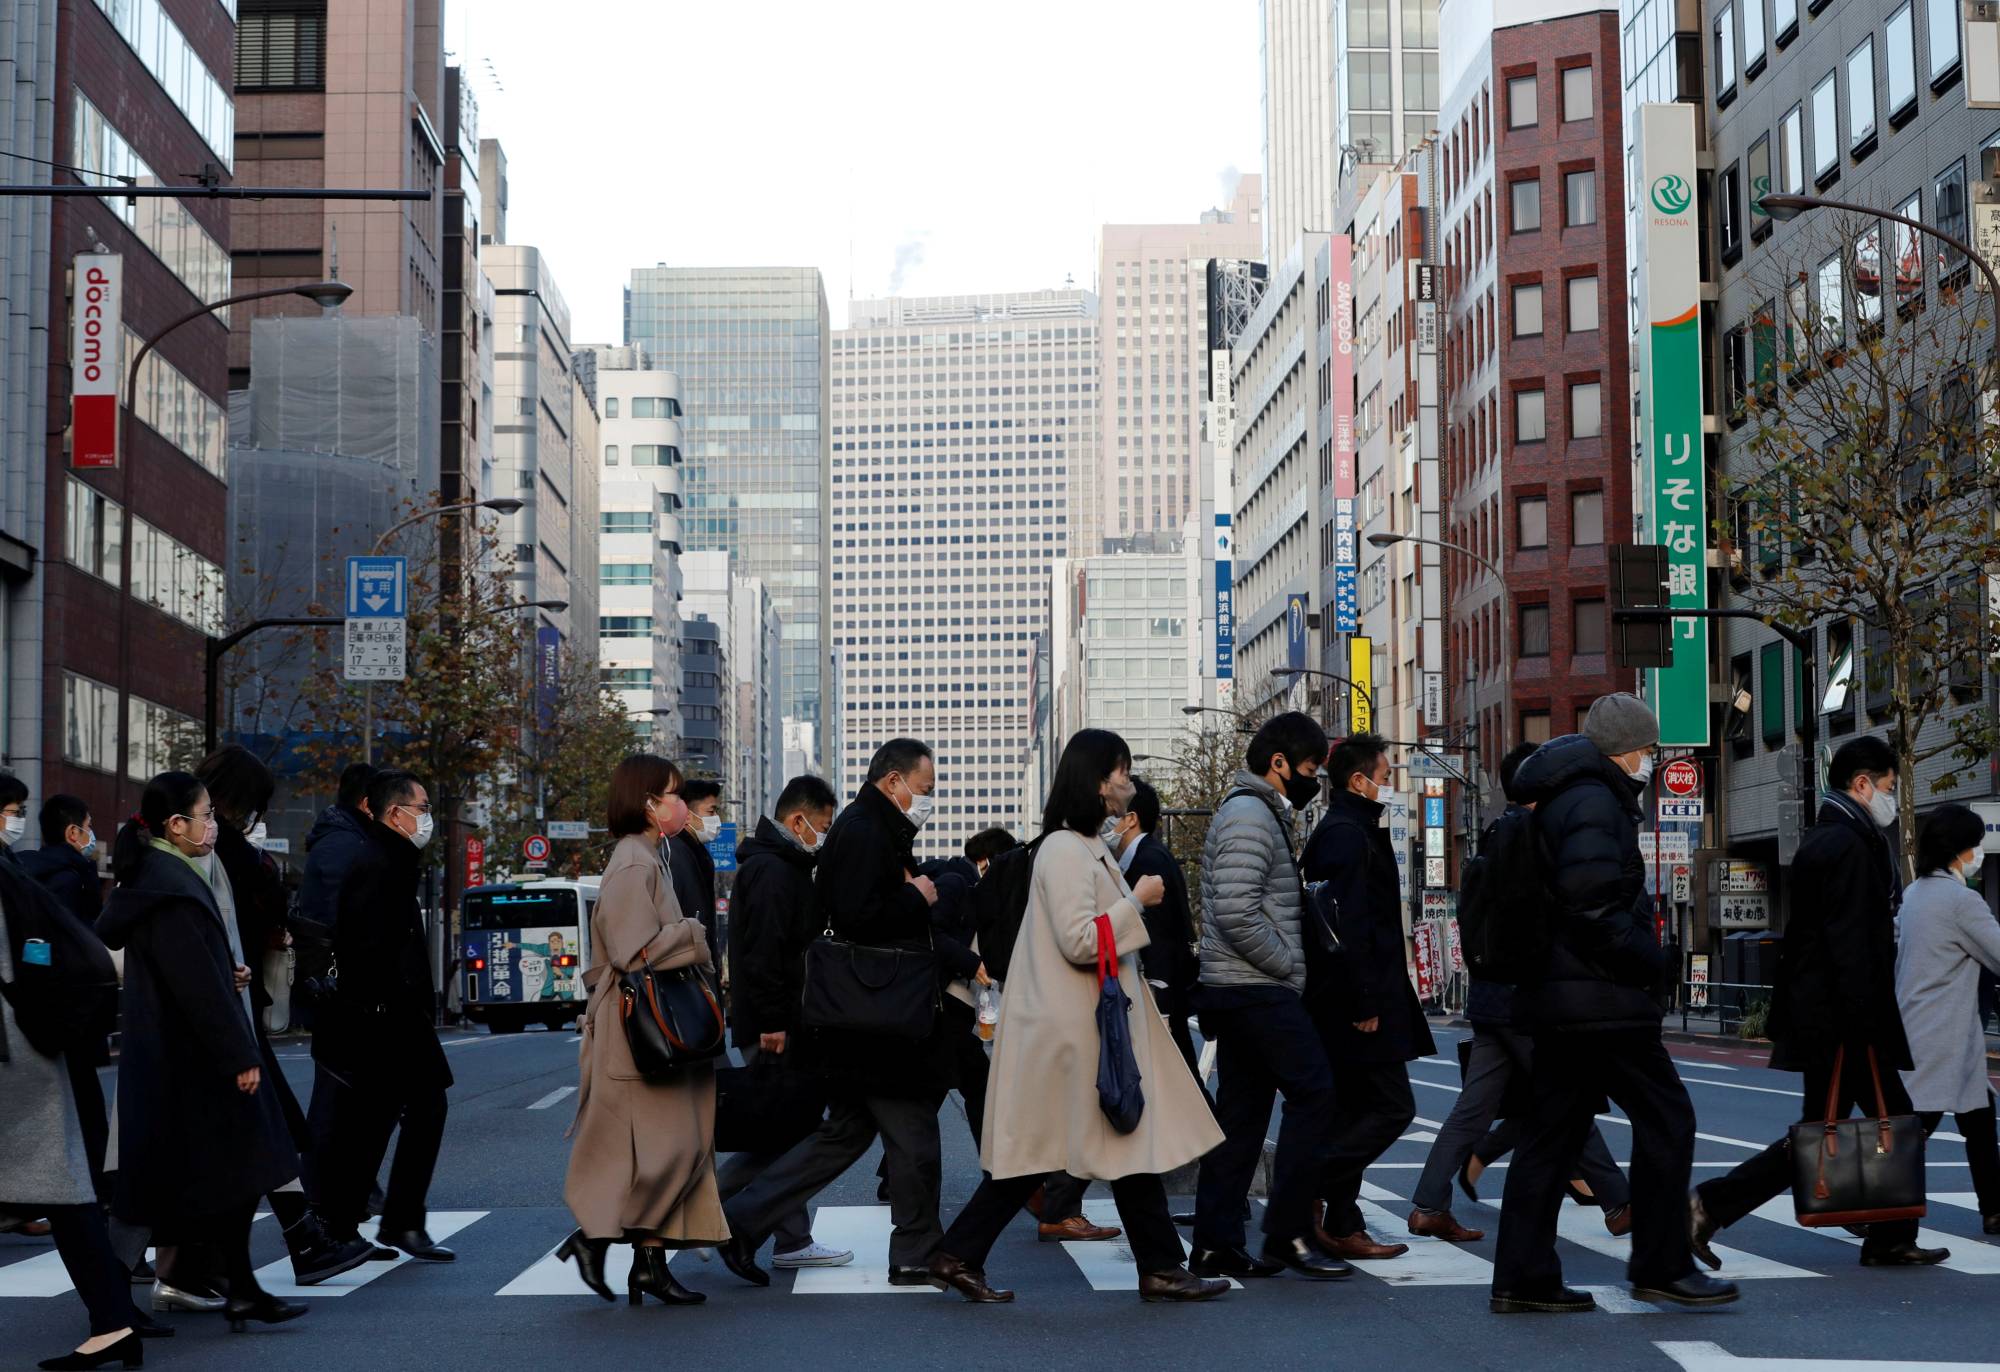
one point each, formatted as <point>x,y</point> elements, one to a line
<point>420,1245</point>
<point>588,1255</point>
<point>1304,1258</point>
<point>1902,1255</point>
<point>1990,1224</point>
<point>1178,1284</point>
<point>1231,1262</point>
<point>329,1258</point>
<point>910,1276</point>
<point>265,1309</point>
<point>1554,1300</point>
<point>142,1273</point>
<point>376,1252</point>
<point>148,1328</point>
<point>1700,1230</point>
<point>1185,1219</point>
<point>651,1276</point>
<point>1696,1288</point>
<point>741,1259</point>
<point>948,1273</point>
<point>126,1351</point>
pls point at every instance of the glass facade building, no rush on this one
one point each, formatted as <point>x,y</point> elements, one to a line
<point>750,347</point>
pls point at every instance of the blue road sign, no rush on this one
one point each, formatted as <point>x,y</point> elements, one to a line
<point>378,588</point>
<point>723,847</point>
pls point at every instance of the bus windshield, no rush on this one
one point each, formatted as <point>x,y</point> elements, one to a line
<point>530,907</point>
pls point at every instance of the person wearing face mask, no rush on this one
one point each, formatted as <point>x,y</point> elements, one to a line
<point>688,858</point>
<point>1595,1025</point>
<point>1361,999</point>
<point>1169,959</point>
<point>1253,971</point>
<point>201,1137</point>
<point>870,892</point>
<point>1944,936</point>
<point>1835,988</point>
<point>772,917</point>
<point>13,815</point>
<point>378,1039</point>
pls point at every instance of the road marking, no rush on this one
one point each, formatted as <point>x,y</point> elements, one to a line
<point>1712,1138</point>
<point>276,1277</point>
<point>1439,1062</point>
<point>865,1230</point>
<point>1739,1086</point>
<point>1585,1229</point>
<point>1106,1264</point>
<point>1967,1255</point>
<point>1619,1300</point>
<point>1710,1357</point>
<point>551,1276</point>
<point>1428,1124</point>
<point>552,1097</point>
<point>1418,1136</point>
<point>41,1275</point>
<point>1707,1066</point>
<point>1430,1262</point>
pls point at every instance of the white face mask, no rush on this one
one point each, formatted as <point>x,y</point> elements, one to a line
<point>710,828</point>
<point>16,826</point>
<point>812,845</point>
<point>1109,833</point>
<point>258,833</point>
<point>1645,772</point>
<point>426,826</point>
<point>919,813</point>
<point>1882,808</point>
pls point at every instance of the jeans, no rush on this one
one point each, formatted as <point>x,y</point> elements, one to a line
<point>1982,1154</point>
<point>1142,1205</point>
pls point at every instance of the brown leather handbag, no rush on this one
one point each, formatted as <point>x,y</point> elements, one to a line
<point>1857,1171</point>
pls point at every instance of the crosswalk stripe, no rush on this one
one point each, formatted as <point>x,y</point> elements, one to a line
<point>1619,1300</point>
<point>1967,1255</point>
<point>1430,1262</point>
<point>552,1097</point>
<point>1107,1264</point>
<point>551,1276</point>
<point>1585,1229</point>
<point>864,1229</point>
<point>41,1275</point>
<point>1964,1200</point>
<point>1710,1357</point>
<point>276,1277</point>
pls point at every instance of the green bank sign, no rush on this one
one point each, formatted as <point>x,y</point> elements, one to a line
<point>1677,486</point>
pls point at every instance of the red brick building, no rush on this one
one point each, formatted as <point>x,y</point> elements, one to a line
<point>1535,374</point>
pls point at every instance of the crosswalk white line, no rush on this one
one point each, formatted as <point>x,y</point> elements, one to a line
<point>1418,1136</point>
<point>551,1276</point>
<point>1711,1357</point>
<point>552,1097</point>
<point>1585,1229</point>
<point>1619,1300</point>
<point>276,1277</point>
<point>1430,1262</point>
<point>1106,1263</point>
<point>1967,1255</point>
<point>41,1275</point>
<point>1964,1200</point>
<point>865,1230</point>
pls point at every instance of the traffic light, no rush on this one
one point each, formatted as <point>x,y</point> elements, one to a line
<point>1639,581</point>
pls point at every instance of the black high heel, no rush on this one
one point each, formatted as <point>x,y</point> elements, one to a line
<point>265,1309</point>
<point>1465,1182</point>
<point>127,1350</point>
<point>651,1275</point>
<point>588,1255</point>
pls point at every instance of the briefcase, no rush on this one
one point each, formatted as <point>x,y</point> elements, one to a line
<point>867,989</point>
<point>765,1107</point>
<point>1857,1171</point>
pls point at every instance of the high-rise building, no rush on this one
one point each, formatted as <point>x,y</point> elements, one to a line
<point>465,314</point>
<point>750,347</point>
<point>1153,358</point>
<point>1125,618</point>
<point>960,424</point>
<point>1387,54</point>
<point>709,725</point>
<point>1537,472</point>
<point>756,637</point>
<point>1301,122</point>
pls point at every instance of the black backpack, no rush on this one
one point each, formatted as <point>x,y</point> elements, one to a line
<point>65,988</point>
<point>1000,902</point>
<point>1507,902</point>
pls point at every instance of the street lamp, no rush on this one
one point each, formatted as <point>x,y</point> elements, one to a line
<point>1792,206</point>
<point>1508,628</point>
<point>1349,682</point>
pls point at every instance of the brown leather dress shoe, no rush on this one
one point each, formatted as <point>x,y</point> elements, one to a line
<point>1618,1222</point>
<point>1178,1284</point>
<point>1442,1226</point>
<point>1035,1201</point>
<point>951,1274</point>
<point>1358,1247</point>
<point>1075,1229</point>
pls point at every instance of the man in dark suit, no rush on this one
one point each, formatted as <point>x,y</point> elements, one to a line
<point>1169,960</point>
<point>1836,988</point>
<point>688,860</point>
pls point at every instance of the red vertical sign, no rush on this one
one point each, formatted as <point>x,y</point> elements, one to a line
<point>475,861</point>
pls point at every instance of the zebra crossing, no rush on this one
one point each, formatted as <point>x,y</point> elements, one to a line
<point>1103,1267</point>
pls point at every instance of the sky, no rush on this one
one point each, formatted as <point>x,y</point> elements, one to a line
<point>939,146</point>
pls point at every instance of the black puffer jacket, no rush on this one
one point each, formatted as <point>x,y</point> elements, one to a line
<point>1606,957</point>
<point>774,914</point>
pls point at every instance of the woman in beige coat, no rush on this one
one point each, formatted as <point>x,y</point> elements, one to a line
<point>1042,1112</point>
<point>642,1169</point>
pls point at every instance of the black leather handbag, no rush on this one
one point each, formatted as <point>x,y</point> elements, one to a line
<point>1857,1171</point>
<point>867,989</point>
<point>673,1019</point>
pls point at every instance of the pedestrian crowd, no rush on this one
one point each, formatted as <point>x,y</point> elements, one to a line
<point>1057,985</point>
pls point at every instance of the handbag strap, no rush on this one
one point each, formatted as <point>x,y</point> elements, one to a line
<point>1833,1083</point>
<point>1875,1072</point>
<point>1107,951</point>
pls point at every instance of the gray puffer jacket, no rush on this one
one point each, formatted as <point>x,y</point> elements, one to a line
<point>1250,927</point>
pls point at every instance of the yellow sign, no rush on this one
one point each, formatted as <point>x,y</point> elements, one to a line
<point>1361,680</point>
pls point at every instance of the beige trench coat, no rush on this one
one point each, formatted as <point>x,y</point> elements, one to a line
<point>1041,1099</point>
<point>643,1161</point>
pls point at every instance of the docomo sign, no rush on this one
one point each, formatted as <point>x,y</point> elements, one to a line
<point>95,332</point>
<point>1682,777</point>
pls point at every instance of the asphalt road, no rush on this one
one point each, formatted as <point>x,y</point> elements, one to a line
<point>504,1305</point>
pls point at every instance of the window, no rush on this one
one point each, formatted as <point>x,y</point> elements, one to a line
<point>281,45</point>
<point>1949,198</point>
<point>655,455</point>
<point>1785,14</point>
<point>1579,198</point>
<point>610,407</point>
<point>1586,519</point>
<point>94,530</point>
<point>1791,152</point>
<point>1757,169</point>
<point>1535,726</point>
<point>1771,692</point>
<point>1588,619</point>
<point>166,226</point>
<point>1525,198</point>
<point>1735,371</point>
<point>1832,322</point>
<point>1530,424</point>
<point>1868,275</point>
<point>90,723</point>
<point>1764,344</point>
<point>1899,51</point>
<point>1586,410</point>
<point>1521,103</point>
<point>176,580</point>
<point>1582,291</point>
<point>1909,254</point>
<point>1578,101</point>
<point>1528,311</point>
<point>1729,212</point>
<point>1943,15</point>
<point>625,521</point>
<point>625,626</point>
<point>1753,37</point>
<point>625,678</point>
<point>158,735</point>
<point>1861,97</point>
<point>1531,522</point>
<point>611,454</point>
<point>625,573</point>
<point>1826,128</point>
<point>151,32</point>
<point>1725,54</point>
<point>1534,631</point>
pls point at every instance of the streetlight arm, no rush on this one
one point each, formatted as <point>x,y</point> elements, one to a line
<point>132,375</point>
<point>434,512</point>
<point>1799,202</point>
<point>1366,693</point>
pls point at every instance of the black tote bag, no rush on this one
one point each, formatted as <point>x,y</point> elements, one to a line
<point>1857,1171</point>
<point>672,1019</point>
<point>863,988</point>
<point>1118,1090</point>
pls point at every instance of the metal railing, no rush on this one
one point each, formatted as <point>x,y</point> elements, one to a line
<point>1722,1006</point>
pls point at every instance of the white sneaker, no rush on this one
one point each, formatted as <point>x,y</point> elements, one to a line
<point>813,1255</point>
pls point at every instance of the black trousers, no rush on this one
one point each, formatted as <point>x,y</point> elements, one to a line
<point>973,1069</point>
<point>1982,1150</point>
<point>1374,1105</point>
<point>738,1170</point>
<point>1730,1197</point>
<point>90,1114</point>
<point>1142,1206</point>
<point>84,1244</point>
<point>909,1130</point>
<point>359,1140</point>
<point>1266,1046</point>
<point>1573,1073</point>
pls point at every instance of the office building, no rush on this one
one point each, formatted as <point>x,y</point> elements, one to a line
<point>708,703</point>
<point>960,423</point>
<point>1124,616</point>
<point>465,311</point>
<point>1387,54</point>
<point>1301,122</point>
<point>757,636</point>
<point>750,347</point>
<point>1153,358</point>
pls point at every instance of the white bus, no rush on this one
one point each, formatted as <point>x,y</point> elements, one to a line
<point>523,949</point>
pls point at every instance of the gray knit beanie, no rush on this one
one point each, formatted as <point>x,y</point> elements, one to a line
<point>1621,723</point>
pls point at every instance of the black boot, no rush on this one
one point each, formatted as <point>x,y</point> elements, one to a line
<point>316,1255</point>
<point>651,1275</point>
<point>588,1255</point>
